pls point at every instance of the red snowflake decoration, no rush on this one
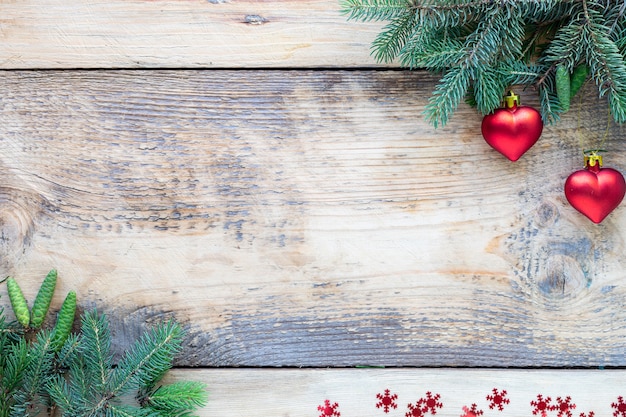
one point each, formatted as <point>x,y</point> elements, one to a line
<point>620,407</point>
<point>591,414</point>
<point>431,403</point>
<point>565,406</point>
<point>424,405</point>
<point>387,401</point>
<point>328,409</point>
<point>415,410</point>
<point>542,405</point>
<point>471,412</point>
<point>497,399</point>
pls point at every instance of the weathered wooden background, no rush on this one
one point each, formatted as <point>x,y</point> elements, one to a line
<point>248,168</point>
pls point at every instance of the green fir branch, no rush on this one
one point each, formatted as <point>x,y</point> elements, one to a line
<point>177,399</point>
<point>447,95</point>
<point>515,72</point>
<point>119,410</point>
<point>16,359</point>
<point>484,47</point>
<point>435,56</point>
<point>547,12</point>
<point>79,380</point>
<point>620,39</point>
<point>438,15</point>
<point>615,13</point>
<point>30,399</point>
<point>550,104</point>
<point>487,97</point>
<point>148,360</point>
<point>565,47</point>
<point>63,396</point>
<point>96,349</point>
<point>512,43</point>
<point>80,384</point>
<point>368,10</point>
<point>390,42</point>
<point>69,351</point>
<point>608,68</point>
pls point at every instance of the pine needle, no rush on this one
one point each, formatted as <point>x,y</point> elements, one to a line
<point>485,46</point>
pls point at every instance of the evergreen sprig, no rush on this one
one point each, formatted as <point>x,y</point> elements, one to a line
<point>80,379</point>
<point>93,387</point>
<point>481,47</point>
<point>174,400</point>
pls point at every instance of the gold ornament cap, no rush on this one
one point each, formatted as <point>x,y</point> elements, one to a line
<point>593,160</point>
<point>511,100</point>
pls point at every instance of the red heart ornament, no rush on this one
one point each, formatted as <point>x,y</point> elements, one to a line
<point>513,129</point>
<point>595,191</point>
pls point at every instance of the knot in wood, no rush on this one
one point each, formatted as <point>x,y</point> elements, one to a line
<point>563,277</point>
<point>254,19</point>
<point>547,214</point>
<point>18,212</point>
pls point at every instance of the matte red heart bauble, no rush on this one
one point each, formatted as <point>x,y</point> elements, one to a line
<point>512,129</point>
<point>595,191</point>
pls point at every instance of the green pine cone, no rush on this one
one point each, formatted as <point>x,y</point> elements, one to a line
<point>65,321</point>
<point>563,87</point>
<point>43,299</point>
<point>579,76</point>
<point>18,302</point>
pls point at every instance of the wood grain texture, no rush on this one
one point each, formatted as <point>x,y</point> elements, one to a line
<point>290,392</point>
<point>307,219</point>
<point>181,34</point>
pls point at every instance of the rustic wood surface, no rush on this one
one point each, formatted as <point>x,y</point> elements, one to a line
<point>181,34</point>
<point>308,218</point>
<point>288,392</point>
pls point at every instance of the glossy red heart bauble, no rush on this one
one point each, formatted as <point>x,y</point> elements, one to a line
<point>595,191</point>
<point>512,131</point>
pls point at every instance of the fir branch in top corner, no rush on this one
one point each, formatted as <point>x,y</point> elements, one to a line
<point>482,47</point>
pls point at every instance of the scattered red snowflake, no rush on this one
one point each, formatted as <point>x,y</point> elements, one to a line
<point>564,406</point>
<point>498,399</point>
<point>415,410</point>
<point>387,401</point>
<point>431,403</point>
<point>424,405</point>
<point>620,407</point>
<point>471,412</point>
<point>328,409</point>
<point>543,405</point>
<point>591,414</point>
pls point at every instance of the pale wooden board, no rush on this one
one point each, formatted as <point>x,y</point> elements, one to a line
<point>306,218</point>
<point>288,392</point>
<point>181,33</point>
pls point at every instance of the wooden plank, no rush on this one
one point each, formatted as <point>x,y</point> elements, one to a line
<point>288,392</point>
<point>307,218</point>
<point>181,34</point>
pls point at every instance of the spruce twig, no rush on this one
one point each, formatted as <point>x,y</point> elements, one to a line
<point>78,378</point>
<point>482,47</point>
